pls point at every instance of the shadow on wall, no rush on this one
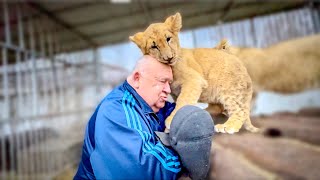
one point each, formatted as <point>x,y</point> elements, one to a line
<point>19,142</point>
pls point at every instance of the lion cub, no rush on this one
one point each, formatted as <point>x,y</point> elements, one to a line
<point>206,75</point>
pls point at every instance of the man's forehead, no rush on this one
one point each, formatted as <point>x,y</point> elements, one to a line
<point>158,68</point>
<point>164,76</point>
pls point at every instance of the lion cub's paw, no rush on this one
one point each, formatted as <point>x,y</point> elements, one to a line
<point>223,129</point>
<point>168,123</point>
<point>252,129</point>
<point>167,130</point>
<point>227,127</point>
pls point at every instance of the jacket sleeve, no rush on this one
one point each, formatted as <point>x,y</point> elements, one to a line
<point>165,112</point>
<point>125,150</point>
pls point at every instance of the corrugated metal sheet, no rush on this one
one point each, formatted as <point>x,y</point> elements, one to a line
<point>83,24</point>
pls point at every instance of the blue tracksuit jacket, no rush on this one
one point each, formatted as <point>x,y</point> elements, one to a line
<point>120,142</point>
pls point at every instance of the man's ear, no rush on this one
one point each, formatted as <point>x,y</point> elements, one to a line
<point>174,22</point>
<point>138,39</point>
<point>136,79</point>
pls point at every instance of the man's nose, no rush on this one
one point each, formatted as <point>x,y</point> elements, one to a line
<point>167,88</point>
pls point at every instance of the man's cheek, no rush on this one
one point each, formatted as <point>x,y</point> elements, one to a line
<point>160,102</point>
<point>157,87</point>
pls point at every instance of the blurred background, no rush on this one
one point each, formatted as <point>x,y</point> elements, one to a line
<point>59,58</point>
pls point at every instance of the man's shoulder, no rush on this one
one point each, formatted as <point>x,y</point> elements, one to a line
<point>121,95</point>
<point>112,100</point>
<point>111,103</point>
<point>116,93</point>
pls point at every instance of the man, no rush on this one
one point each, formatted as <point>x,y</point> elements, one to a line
<point>124,138</point>
<point>120,141</point>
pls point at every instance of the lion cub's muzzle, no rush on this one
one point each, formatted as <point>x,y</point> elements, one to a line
<point>170,61</point>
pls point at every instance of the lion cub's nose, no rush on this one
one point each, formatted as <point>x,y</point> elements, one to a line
<point>169,59</point>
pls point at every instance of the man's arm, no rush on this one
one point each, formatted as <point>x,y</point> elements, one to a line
<point>125,150</point>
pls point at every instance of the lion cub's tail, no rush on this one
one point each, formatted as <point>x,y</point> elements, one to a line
<point>226,47</point>
<point>223,45</point>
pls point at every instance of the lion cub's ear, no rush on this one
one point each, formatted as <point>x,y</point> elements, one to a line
<point>138,39</point>
<point>174,22</point>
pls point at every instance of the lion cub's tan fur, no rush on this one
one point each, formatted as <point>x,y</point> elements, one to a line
<point>286,67</point>
<point>206,75</point>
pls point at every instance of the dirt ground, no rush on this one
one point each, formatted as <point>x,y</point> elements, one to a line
<point>286,148</point>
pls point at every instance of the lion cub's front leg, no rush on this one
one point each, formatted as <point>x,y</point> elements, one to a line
<point>189,95</point>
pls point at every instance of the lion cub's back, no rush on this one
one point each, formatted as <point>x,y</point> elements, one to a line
<point>219,68</point>
<point>214,60</point>
<point>225,73</point>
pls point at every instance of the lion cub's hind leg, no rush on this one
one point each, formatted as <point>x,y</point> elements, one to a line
<point>233,124</point>
<point>239,114</point>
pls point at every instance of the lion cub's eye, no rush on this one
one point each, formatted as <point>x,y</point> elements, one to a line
<point>168,39</point>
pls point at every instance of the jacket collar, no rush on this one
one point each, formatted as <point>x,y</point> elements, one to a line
<point>141,102</point>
